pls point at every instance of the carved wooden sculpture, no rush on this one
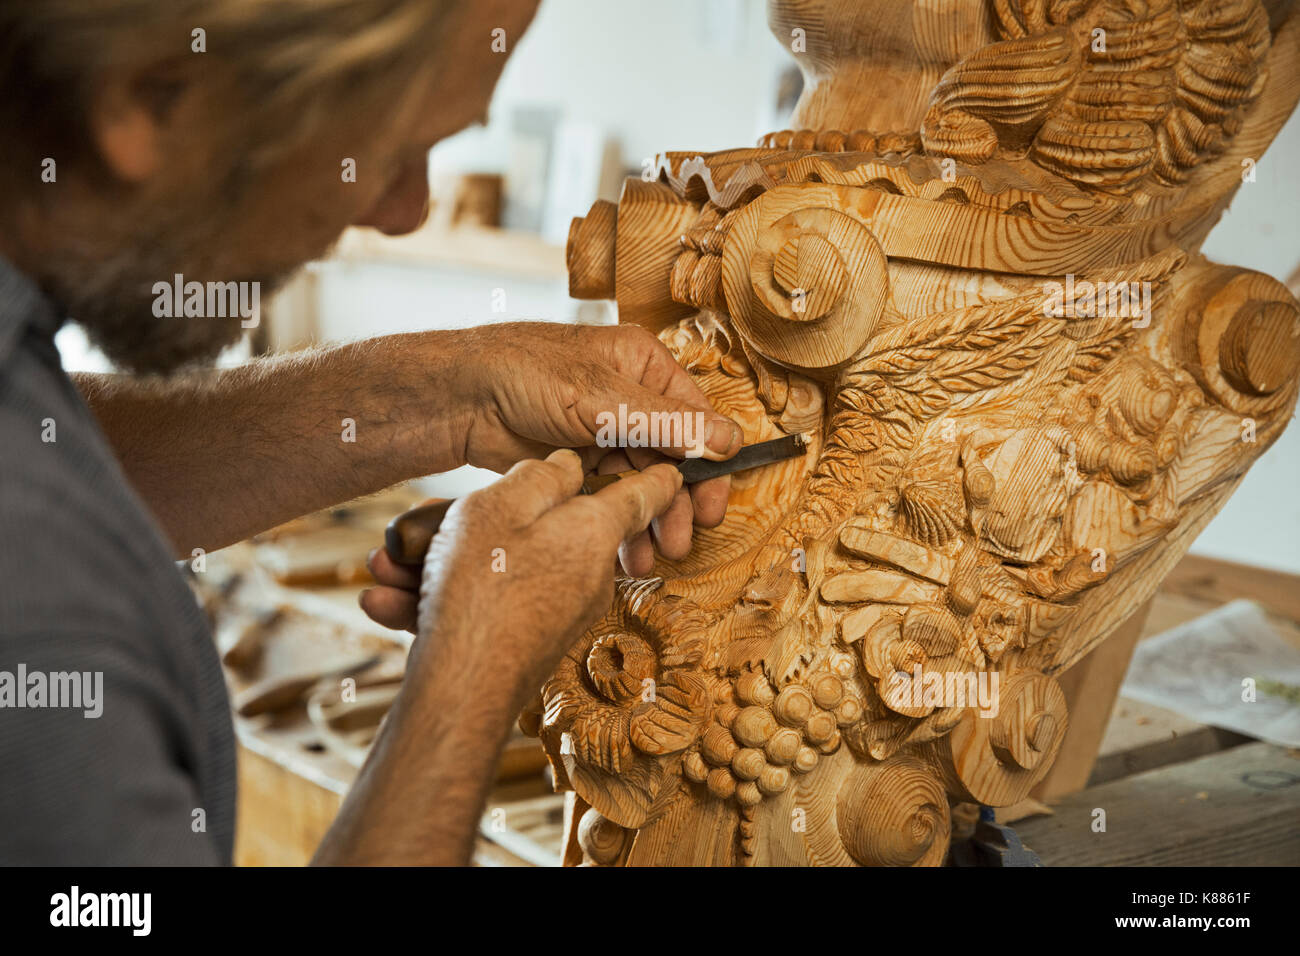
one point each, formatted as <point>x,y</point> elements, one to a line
<point>972,272</point>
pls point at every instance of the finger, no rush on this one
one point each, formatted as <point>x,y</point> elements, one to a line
<point>531,488</point>
<point>388,572</point>
<point>675,427</point>
<point>390,607</point>
<point>637,555</point>
<point>643,458</point>
<point>709,499</point>
<point>672,529</point>
<point>647,361</point>
<point>629,505</point>
<point>614,462</point>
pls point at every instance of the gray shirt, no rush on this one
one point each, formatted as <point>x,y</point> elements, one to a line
<point>89,594</point>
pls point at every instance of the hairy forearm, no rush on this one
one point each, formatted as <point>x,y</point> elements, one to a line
<point>222,455</point>
<point>421,792</point>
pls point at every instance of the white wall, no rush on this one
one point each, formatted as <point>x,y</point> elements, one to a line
<point>668,75</point>
<point>1261,523</point>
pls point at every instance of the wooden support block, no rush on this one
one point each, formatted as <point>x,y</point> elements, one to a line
<point>1210,579</point>
<point>282,815</point>
<point>1091,689</point>
<point>1142,737</point>
<point>1234,808</point>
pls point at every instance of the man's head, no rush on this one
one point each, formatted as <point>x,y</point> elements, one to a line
<point>216,139</point>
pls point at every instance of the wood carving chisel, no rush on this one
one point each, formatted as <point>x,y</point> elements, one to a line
<point>407,537</point>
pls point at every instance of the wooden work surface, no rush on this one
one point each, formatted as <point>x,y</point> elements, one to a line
<point>1175,792</point>
<point>1237,807</point>
<point>297,588</point>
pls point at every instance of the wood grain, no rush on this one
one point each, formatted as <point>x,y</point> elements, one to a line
<point>1237,808</point>
<point>970,271</point>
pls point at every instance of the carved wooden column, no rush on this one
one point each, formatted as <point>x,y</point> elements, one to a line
<point>971,273</point>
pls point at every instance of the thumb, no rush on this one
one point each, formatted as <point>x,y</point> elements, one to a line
<point>630,504</point>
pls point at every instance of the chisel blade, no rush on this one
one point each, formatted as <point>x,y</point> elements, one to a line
<point>408,535</point>
<point>751,456</point>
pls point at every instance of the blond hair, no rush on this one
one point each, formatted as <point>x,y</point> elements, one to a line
<point>291,65</point>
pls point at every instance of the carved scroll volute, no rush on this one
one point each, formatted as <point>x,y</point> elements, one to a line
<point>805,285</point>
<point>627,253</point>
<point>997,760</point>
<point>589,253</point>
<point>603,842</point>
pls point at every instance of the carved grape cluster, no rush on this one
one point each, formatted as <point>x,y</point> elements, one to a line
<point>759,738</point>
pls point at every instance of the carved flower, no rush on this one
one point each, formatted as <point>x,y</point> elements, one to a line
<point>619,666</point>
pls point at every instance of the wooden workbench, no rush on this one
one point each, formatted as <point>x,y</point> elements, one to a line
<point>1198,794</point>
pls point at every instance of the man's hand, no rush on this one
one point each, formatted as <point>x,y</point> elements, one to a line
<point>537,387</point>
<point>521,568</point>
<point>222,455</point>
<point>395,602</point>
<point>513,575</point>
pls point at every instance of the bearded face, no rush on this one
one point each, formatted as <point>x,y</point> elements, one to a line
<point>109,287</point>
<point>234,169</point>
<point>1007,454</point>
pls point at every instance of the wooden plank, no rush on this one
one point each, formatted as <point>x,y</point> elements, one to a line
<point>1209,579</point>
<point>1235,808</point>
<point>282,815</point>
<point>1168,610</point>
<point>1091,688</point>
<point>1142,737</point>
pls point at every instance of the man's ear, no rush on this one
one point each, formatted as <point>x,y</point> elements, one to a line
<point>127,119</point>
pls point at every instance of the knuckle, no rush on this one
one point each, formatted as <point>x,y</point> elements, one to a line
<point>475,507</point>
<point>637,335</point>
<point>589,379</point>
<point>570,391</point>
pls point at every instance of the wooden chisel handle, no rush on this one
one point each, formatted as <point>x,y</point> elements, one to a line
<point>407,537</point>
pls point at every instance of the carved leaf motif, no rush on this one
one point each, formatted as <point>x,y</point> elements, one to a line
<point>925,366</point>
<point>561,697</point>
<point>600,738</point>
<point>683,653</point>
<point>1011,83</point>
<point>672,722</point>
<point>1162,94</point>
<point>936,725</point>
<point>630,798</point>
<point>791,658</point>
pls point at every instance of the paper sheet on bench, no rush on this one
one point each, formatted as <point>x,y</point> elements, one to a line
<point>1198,668</point>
